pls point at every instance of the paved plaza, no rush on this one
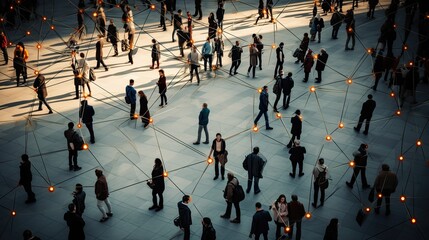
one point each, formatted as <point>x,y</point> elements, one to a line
<point>125,150</point>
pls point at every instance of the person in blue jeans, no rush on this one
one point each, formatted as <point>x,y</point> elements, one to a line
<point>203,120</point>
<point>130,92</point>
<point>207,53</point>
<point>263,108</point>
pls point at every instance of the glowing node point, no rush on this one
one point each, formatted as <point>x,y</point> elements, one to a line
<point>192,41</point>
<point>413,220</point>
<point>219,31</point>
<point>402,198</point>
<point>28,32</point>
<point>36,72</point>
<point>117,5</point>
<point>287,229</point>
<point>315,57</point>
<point>278,115</point>
<point>209,160</point>
<point>369,50</point>
<point>349,81</point>
<point>398,112</point>
<point>273,45</point>
<point>308,215</point>
<point>39,46</point>
<point>350,30</point>
<point>367,209</point>
<point>255,128</point>
<point>135,116</point>
<point>11,7</point>
<point>419,142</point>
<point>150,120</point>
<point>1,19</point>
<point>401,158</point>
<point>392,94</point>
<point>405,47</point>
<point>51,189</point>
<point>274,21</point>
<point>10,43</point>
<point>265,11</point>
<point>341,125</point>
<point>165,174</point>
<point>79,125</point>
<point>352,163</point>
<point>312,89</point>
<point>411,63</point>
<point>13,213</point>
<point>152,7</point>
<point>85,146</point>
<point>259,90</point>
<point>52,27</point>
<point>94,14</point>
<point>394,25</point>
<point>379,195</point>
<point>328,138</point>
<point>301,117</point>
<point>44,18</point>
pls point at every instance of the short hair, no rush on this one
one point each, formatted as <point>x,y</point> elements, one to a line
<point>294,197</point>
<point>71,207</point>
<point>161,71</point>
<point>258,205</point>
<point>281,44</point>
<point>369,96</point>
<point>98,172</point>
<point>321,161</point>
<point>24,157</point>
<point>265,87</point>
<point>79,187</point>
<point>71,125</point>
<point>179,11</point>
<point>185,198</point>
<point>205,105</point>
<point>218,134</point>
<point>27,234</point>
<point>289,74</point>
<point>256,150</point>
<point>207,221</point>
<point>385,167</point>
<point>298,112</point>
<point>153,40</point>
<point>131,80</point>
<point>237,42</point>
<point>230,176</point>
<point>363,145</point>
<point>82,55</point>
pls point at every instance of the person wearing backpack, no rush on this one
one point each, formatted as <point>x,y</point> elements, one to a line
<point>230,199</point>
<point>70,134</point>
<point>320,177</point>
<point>360,160</point>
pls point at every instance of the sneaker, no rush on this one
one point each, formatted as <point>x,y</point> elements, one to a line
<point>269,128</point>
<point>256,192</point>
<point>301,174</point>
<point>292,175</point>
<point>216,177</point>
<point>77,168</point>
<point>196,143</point>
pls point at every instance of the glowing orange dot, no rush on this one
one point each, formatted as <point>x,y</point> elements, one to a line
<point>411,63</point>
<point>312,89</point>
<point>219,30</point>
<point>315,57</point>
<point>36,72</point>
<point>264,11</point>
<point>392,94</point>
<point>341,125</point>
<point>52,27</point>
<point>301,117</point>
<point>379,195</point>
<point>401,157</point>
<point>255,128</point>
<point>79,125</point>
<point>152,7</point>
<point>367,209</point>
<point>38,46</point>
<point>328,138</point>
<point>398,112</point>
<point>192,41</point>
<point>419,142</point>
<point>394,25</point>
<point>273,45</point>
<point>136,116</point>
<point>13,213</point>
<point>259,90</point>
<point>369,50</point>
<point>51,189</point>
<point>287,229</point>
<point>352,163</point>
<point>274,21</point>
<point>94,14</point>
<point>11,7</point>
<point>28,33</point>
<point>413,220</point>
<point>150,120</point>
<point>85,146</point>
<point>10,43</point>
<point>350,29</point>
<point>209,160</point>
<point>349,81</point>
<point>165,174</point>
<point>44,18</point>
<point>405,47</point>
<point>1,19</point>
<point>117,5</point>
<point>278,115</point>
<point>402,198</point>
<point>308,215</point>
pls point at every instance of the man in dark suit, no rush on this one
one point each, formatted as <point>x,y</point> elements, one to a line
<point>185,218</point>
<point>296,127</point>
<point>263,108</point>
<point>322,58</point>
<point>25,178</point>
<point>366,113</point>
<point>254,165</point>
<point>99,53</point>
<point>71,135</point>
<point>296,212</point>
<point>287,85</point>
<point>112,36</point>
<point>260,222</point>
<point>280,59</point>
<point>85,114</point>
<point>235,57</point>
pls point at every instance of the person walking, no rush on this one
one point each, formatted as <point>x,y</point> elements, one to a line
<point>280,59</point>
<point>158,185</point>
<point>198,10</point>
<point>20,62</point>
<point>230,199</point>
<point>25,178</point>
<point>318,25</point>
<point>322,58</point>
<point>101,21</point>
<point>112,36</point>
<point>236,52</point>
<point>366,112</point>
<point>336,21</point>
<point>209,233</point>
<point>193,57</point>
<point>297,157</point>
<point>207,53</point>
<point>259,46</point>
<point>296,213</point>
<point>218,49</point>
<point>371,5</point>
<point>218,149</point>
<point>177,21</point>
<point>71,135</point>
<point>220,12</point>
<point>350,29</point>
<point>360,160</point>
<point>162,86</point>
<point>253,54</point>
<point>260,11</point>
<point>86,112</point>
<point>163,12</point>
<point>263,108</point>
<point>287,85</point>
<point>331,232</point>
<point>277,89</point>
<point>131,30</point>
<point>270,10</point>
<point>385,184</point>
<point>319,171</point>
<point>80,25</point>
<point>190,24</point>
<point>302,48</point>
<point>185,218</point>
<point>99,53</point>
<point>203,120</point>
<point>39,86</point>
<point>378,69</point>
<point>280,213</point>
<point>260,223</point>
<point>79,199</point>
<point>83,73</point>
<point>102,195</point>
<point>254,164</point>
<point>130,94</point>
<point>296,127</point>
<point>75,223</point>
<point>156,54</point>
<point>212,26</point>
<point>308,64</point>
<point>3,45</point>
<point>144,109</point>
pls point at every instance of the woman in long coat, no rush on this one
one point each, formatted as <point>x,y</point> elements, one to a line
<point>40,87</point>
<point>157,185</point>
<point>144,110</point>
<point>253,53</point>
<point>162,85</point>
<point>212,26</point>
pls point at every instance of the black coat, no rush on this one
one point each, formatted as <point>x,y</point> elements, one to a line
<point>322,58</point>
<point>219,14</point>
<point>260,222</point>
<point>185,218</point>
<point>177,19</point>
<point>86,112</point>
<point>209,233</point>
<point>236,53</point>
<point>99,50</point>
<point>287,85</point>
<point>112,33</point>
<point>296,125</point>
<point>280,55</point>
<point>254,165</point>
<point>158,179</point>
<point>25,173</point>
<point>144,110</point>
<point>40,85</point>
<point>368,108</point>
<point>76,224</point>
<point>263,101</point>
<point>162,85</point>
<point>297,154</point>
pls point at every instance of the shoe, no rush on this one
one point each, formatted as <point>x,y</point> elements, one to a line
<point>248,191</point>
<point>349,185</point>
<point>153,207</point>
<point>146,125</point>
<point>106,69</point>
<point>314,205</point>
<point>196,143</point>
<point>235,220</point>
<point>352,48</point>
<point>365,132</point>
<point>173,40</point>
<point>71,168</point>
<point>92,141</point>
<point>256,192</point>
<point>206,142</point>
<point>158,209</point>
<point>224,216</point>
<point>164,29</point>
<point>76,98</point>
<point>301,174</point>
<point>77,168</point>
<point>275,110</point>
<point>366,186</point>
<point>285,107</point>
<point>297,61</point>
<point>114,55</point>
<point>235,73</point>
<point>347,49</point>
<point>318,41</point>
<point>318,81</point>
<point>103,219</point>
<point>50,112</point>
<point>199,18</point>
<point>269,128</point>
<point>223,177</point>
<point>96,67</point>
<point>356,129</point>
<point>216,177</point>
<point>292,175</point>
<point>195,15</point>
<point>152,67</point>
<point>109,214</point>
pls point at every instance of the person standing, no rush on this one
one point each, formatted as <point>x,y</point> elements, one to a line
<point>230,199</point>
<point>75,223</point>
<point>190,27</point>
<point>350,29</point>
<point>287,85</point>
<point>218,49</point>
<point>20,62</point>
<point>3,46</point>
<point>263,108</point>
<point>207,53</point>
<point>322,58</point>
<point>130,93</point>
<point>131,30</point>
<point>156,54</point>
<point>296,127</point>
<point>203,120</point>
<point>162,86</point>
<point>235,57</point>
<point>318,169</point>
<point>39,86</point>
<point>25,178</point>
<point>177,19</point>
<point>259,46</point>
<point>171,7</point>
<point>220,12</point>
<point>219,153</point>
<point>99,53</point>
<point>336,21</point>
<point>79,199</point>
<point>71,135</point>
<point>366,114</point>
<point>296,213</point>
<point>280,213</point>
<point>297,157</point>
<point>318,25</point>
<point>162,16</point>
<point>385,184</point>
<point>185,218</point>
<point>198,10</point>
<point>260,222</point>
<point>209,233</point>
<point>86,113</point>
<point>80,19</point>
<point>101,21</point>
<point>280,59</point>
<point>303,48</point>
<point>253,54</point>
<point>112,36</point>
<point>360,160</point>
<point>254,165</point>
<point>83,73</point>
<point>102,195</point>
<point>331,232</point>
<point>144,109</point>
<point>193,61</point>
<point>277,89</point>
<point>158,185</point>
<point>308,64</point>
<point>378,69</point>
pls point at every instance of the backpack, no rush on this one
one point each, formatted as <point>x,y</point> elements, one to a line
<point>238,194</point>
<point>77,141</point>
<point>124,45</point>
<point>322,181</point>
<point>92,76</point>
<point>277,86</point>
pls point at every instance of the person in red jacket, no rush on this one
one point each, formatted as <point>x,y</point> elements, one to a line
<point>308,64</point>
<point>3,45</point>
<point>102,195</point>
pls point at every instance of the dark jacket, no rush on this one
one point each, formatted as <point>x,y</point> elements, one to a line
<point>71,135</point>
<point>260,222</point>
<point>222,148</point>
<point>287,85</point>
<point>177,19</point>
<point>263,101</point>
<point>304,44</point>
<point>280,55</point>
<point>209,233</point>
<point>296,211</point>
<point>131,93</point>
<point>185,218</point>
<point>297,153</point>
<point>322,58</point>
<point>162,84</point>
<point>236,53</point>
<point>254,165</point>
<point>386,181</point>
<point>155,52</point>
<point>101,188</point>
<point>360,158</point>
<point>40,85</point>
<point>79,202</point>
<point>144,110</point>
<point>296,125</point>
<point>368,108</point>
<point>158,179</point>
<point>219,14</point>
<point>319,23</point>
<point>25,173</point>
<point>86,112</point>
<point>331,233</point>
<point>212,27</point>
<point>337,19</point>
<point>203,118</point>
<point>308,62</point>
<point>378,67</point>
<point>99,49</point>
<point>76,224</point>
<point>228,193</point>
<point>112,33</point>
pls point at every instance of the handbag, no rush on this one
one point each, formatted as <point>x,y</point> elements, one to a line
<point>371,195</point>
<point>223,158</point>
<point>124,45</point>
<point>296,53</point>
<point>176,221</point>
<point>150,184</point>
<point>127,100</point>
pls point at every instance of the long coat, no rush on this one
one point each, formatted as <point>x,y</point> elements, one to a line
<point>162,84</point>
<point>158,179</point>
<point>254,165</point>
<point>144,110</point>
<point>308,62</point>
<point>253,56</point>
<point>99,50</point>
<point>296,125</point>
<point>185,218</point>
<point>322,58</point>
<point>40,85</point>
<point>260,222</point>
<point>25,173</point>
<point>368,108</point>
<point>76,224</point>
